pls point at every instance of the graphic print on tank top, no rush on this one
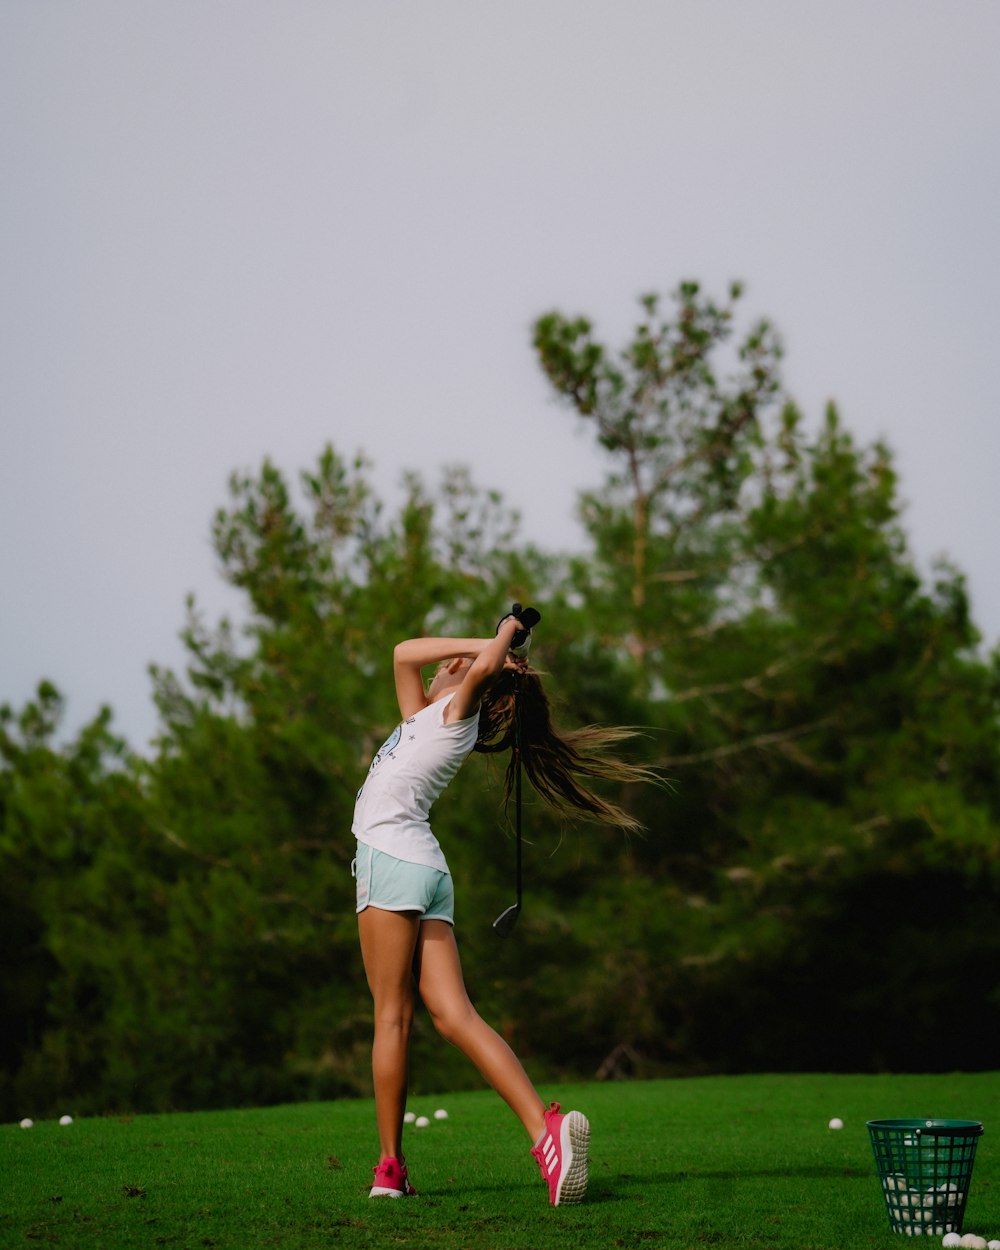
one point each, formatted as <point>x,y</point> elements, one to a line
<point>385,749</point>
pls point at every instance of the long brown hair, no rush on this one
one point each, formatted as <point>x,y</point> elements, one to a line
<point>555,759</point>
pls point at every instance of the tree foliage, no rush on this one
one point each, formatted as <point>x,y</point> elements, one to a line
<point>832,732</point>
<point>179,928</point>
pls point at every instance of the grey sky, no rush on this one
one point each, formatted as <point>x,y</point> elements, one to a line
<point>232,230</point>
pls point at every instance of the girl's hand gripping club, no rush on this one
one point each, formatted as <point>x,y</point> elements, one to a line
<point>520,644</point>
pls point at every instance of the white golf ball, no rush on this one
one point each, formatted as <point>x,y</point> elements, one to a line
<point>65,1119</point>
<point>951,1239</point>
<point>993,1245</point>
<point>973,1242</point>
<point>409,1117</point>
<point>440,1114</point>
<point>421,1121</point>
<point>836,1122</point>
<point>26,1123</point>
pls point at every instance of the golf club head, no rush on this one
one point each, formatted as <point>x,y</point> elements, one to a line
<point>505,922</point>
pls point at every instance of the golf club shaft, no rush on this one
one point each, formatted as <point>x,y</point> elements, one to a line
<point>517,788</point>
<point>505,922</point>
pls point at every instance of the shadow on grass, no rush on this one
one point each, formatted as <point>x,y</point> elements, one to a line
<point>626,1187</point>
<point>621,1186</point>
<point>744,1174</point>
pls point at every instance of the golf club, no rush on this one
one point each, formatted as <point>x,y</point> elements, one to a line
<point>519,646</point>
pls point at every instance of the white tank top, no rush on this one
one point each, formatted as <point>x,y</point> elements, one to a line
<point>410,770</point>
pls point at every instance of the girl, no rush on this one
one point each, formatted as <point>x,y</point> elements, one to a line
<point>405,898</point>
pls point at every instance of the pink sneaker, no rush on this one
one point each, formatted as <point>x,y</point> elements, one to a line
<point>391,1181</point>
<point>562,1155</point>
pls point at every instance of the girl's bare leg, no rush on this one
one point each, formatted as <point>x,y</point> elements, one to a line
<point>388,944</point>
<point>442,988</point>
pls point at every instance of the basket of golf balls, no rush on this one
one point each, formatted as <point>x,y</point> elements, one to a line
<point>925,1167</point>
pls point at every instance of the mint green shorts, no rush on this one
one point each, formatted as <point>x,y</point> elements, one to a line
<point>393,884</point>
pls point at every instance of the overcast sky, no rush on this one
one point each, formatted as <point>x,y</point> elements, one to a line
<point>233,230</point>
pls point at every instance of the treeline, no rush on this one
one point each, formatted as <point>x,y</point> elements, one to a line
<point>819,882</point>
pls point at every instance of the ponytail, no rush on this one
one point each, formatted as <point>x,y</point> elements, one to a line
<point>553,759</point>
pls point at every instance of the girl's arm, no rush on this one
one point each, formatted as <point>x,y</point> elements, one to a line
<point>487,666</point>
<point>409,657</point>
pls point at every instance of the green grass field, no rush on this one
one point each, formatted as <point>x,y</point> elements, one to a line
<point>716,1161</point>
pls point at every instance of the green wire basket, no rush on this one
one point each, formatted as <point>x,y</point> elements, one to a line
<point>925,1167</point>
